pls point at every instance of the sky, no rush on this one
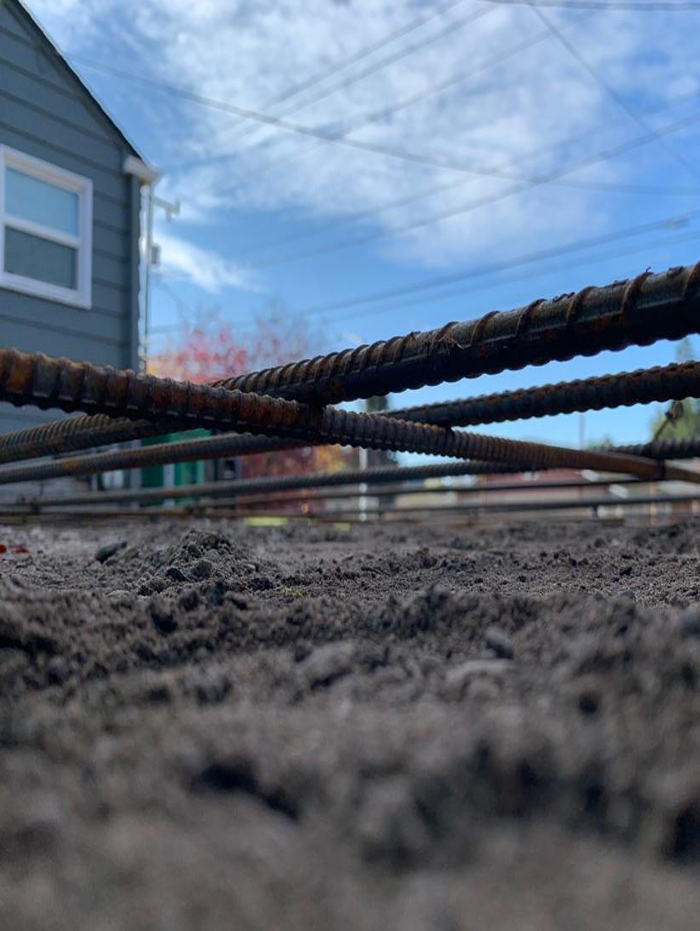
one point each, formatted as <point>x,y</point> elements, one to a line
<point>473,156</point>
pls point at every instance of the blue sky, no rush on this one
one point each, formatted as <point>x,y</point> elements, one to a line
<point>273,218</point>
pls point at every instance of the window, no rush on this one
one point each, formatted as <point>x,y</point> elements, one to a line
<point>45,230</point>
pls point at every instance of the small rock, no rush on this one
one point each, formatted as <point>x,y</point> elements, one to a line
<point>58,670</point>
<point>203,569</point>
<point>460,677</point>
<point>499,642</point>
<point>189,599</point>
<point>628,593</point>
<point>177,575</point>
<point>328,663</point>
<point>108,550</point>
<point>162,617</point>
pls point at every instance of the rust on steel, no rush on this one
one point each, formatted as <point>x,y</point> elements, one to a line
<point>641,310</point>
<point>58,383</point>
<point>634,312</point>
<point>212,447</point>
<point>662,383</point>
<point>63,436</point>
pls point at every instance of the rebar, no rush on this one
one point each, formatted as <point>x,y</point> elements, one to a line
<point>63,436</point>
<point>634,312</point>
<point>211,447</point>
<point>241,487</point>
<point>48,382</point>
<point>662,383</point>
<point>637,311</point>
<point>686,447</point>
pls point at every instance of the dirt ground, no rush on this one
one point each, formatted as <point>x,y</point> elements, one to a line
<point>213,726</point>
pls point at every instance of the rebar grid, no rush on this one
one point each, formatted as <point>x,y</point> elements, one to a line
<point>640,310</point>
<point>47,382</point>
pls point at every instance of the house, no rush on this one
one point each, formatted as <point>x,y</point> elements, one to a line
<point>70,208</point>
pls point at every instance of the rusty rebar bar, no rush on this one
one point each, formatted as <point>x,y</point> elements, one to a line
<point>662,383</point>
<point>634,312</point>
<point>58,383</point>
<point>63,436</point>
<point>282,483</point>
<point>641,310</point>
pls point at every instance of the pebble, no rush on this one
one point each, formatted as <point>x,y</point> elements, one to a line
<point>499,642</point>
<point>328,663</point>
<point>203,569</point>
<point>459,678</point>
<point>108,550</point>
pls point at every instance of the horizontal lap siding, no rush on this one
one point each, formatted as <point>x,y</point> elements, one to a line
<point>43,113</point>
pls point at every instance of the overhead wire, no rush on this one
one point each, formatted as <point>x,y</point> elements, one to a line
<point>575,53</point>
<point>357,218</point>
<point>553,177</point>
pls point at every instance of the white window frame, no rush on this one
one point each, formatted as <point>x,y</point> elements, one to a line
<point>81,296</point>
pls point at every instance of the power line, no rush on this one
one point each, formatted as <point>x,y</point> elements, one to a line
<point>608,88</point>
<point>681,6</point>
<point>517,261</point>
<point>446,31</point>
<point>554,177</point>
<point>502,265</point>
<point>356,218</point>
<point>538,273</point>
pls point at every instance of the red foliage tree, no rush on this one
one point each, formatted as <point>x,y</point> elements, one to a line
<point>211,349</point>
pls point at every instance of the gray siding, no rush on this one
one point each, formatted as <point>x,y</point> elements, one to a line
<point>46,114</point>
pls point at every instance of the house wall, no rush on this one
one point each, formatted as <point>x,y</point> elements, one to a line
<point>46,114</point>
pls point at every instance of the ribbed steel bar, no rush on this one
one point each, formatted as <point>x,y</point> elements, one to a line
<point>63,436</point>
<point>687,447</point>
<point>46,382</point>
<point>544,504</point>
<point>275,499</point>
<point>634,312</point>
<point>211,447</point>
<point>662,383</point>
<point>637,311</point>
<point>266,485</point>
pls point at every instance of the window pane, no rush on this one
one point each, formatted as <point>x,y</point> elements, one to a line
<point>40,259</point>
<point>41,202</point>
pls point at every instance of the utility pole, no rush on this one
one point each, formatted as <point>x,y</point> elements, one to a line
<point>152,260</point>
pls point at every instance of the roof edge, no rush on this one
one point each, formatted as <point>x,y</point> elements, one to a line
<point>63,64</point>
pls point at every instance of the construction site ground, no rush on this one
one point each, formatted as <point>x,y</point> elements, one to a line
<point>208,725</point>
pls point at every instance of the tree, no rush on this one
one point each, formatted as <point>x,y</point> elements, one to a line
<point>210,349</point>
<point>682,418</point>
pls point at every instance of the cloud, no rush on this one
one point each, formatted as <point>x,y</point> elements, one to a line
<point>185,261</point>
<point>504,109</point>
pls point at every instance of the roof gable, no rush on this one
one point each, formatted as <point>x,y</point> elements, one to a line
<point>26,21</point>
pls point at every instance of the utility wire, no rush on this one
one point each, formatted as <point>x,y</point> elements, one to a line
<point>682,6</point>
<point>554,177</point>
<point>608,88</point>
<point>357,218</point>
<point>505,265</point>
<point>428,284</point>
<point>446,31</point>
<point>538,273</point>
<point>412,157</point>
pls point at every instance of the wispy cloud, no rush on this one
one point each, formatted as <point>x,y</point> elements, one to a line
<point>506,113</point>
<point>203,267</point>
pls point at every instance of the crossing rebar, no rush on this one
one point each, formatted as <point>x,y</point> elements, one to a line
<point>634,312</point>
<point>662,383</point>
<point>637,311</point>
